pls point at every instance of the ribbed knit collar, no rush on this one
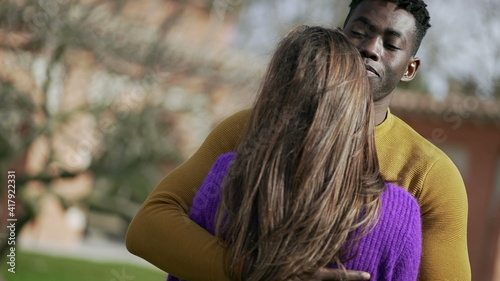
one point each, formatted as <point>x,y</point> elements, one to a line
<point>383,128</point>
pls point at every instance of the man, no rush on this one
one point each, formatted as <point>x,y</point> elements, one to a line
<point>387,34</point>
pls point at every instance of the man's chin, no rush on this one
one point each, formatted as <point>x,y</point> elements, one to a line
<point>378,96</point>
<point>379,93</point>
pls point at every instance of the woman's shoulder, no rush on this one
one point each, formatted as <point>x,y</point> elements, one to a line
<point>399,208</point>
<point>399,195</point>
<point>226,157</point>
<point>207,197</point>
<point>223,162</point>
<point>219,170</point>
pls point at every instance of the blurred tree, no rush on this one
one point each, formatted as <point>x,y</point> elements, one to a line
<point>131,137</point>
<point>128,165</point>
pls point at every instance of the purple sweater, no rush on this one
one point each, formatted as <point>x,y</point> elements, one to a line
<point>391,251</point>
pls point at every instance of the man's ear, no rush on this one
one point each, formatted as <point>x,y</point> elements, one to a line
<point>411,70</point>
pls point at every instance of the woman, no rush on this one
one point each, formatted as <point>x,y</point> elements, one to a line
<point>303,190</point>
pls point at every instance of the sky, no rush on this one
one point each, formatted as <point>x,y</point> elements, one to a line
<point>462,44</point>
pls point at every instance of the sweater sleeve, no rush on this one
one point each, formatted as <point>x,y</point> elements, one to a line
<point>443,203</point>
<point>407,264</point>
<point>162,233</point>
<point>207,199</point>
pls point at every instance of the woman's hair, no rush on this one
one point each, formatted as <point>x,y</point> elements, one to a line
<point>305,183</point>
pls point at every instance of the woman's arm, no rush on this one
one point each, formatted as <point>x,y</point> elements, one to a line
<point>408,262</point>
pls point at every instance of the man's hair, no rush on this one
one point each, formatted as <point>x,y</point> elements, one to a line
<point>417,8</point>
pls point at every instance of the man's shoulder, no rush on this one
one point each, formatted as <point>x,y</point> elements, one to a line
<point>238,118</point>
<point>410,140</point>
<point>409,159</point>
<point>225,136</point>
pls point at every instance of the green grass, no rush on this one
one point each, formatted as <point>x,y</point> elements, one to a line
<point>38,267</point>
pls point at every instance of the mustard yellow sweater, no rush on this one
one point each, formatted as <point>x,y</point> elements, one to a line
<point>163,234</point>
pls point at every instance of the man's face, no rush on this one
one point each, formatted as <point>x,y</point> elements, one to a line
<point>384,35</point>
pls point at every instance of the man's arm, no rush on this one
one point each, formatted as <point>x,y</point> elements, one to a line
<point>443,203</point>
<point>162,233</point>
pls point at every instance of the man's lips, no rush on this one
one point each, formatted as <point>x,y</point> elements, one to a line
<point>370,71</point>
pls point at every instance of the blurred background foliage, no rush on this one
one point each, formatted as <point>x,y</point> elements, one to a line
<point>127,140</point>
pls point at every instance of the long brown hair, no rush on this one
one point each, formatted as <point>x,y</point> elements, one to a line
<point>306,173</point>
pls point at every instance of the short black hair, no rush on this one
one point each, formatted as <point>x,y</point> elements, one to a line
<point>417,8</point>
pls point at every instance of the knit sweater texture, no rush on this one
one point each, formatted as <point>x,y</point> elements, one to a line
<point>390,251</point>
<point>162,233</point>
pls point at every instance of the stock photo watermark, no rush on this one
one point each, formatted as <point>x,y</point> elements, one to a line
<point>121,276</point>
<point>221,7</point>
<point>455,118</point>
<point>11,220</point>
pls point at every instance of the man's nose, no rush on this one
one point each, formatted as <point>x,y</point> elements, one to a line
<point>370,48</point>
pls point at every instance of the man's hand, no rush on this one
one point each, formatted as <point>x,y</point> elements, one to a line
<point>335,274</point>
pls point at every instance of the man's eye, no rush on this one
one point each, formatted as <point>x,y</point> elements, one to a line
<point>391,47</point>
<point>356,33</point>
